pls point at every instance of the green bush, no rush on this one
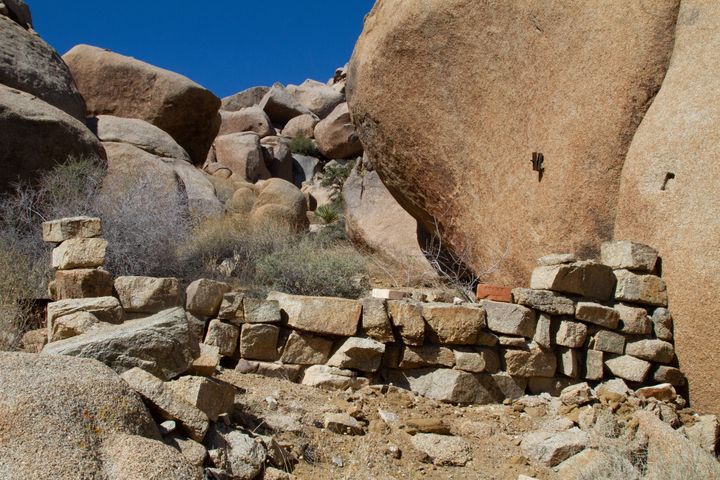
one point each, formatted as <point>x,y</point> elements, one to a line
<point>304,146</point>
<point>327,213</point>
<point>335,174</point>
<point>312,268</point>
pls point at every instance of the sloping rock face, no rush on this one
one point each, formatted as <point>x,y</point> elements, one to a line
<point>68,418</point>
<point>138,133</point>
<point>669,193</point>
<point>374,218</point>
<point>113,84</point>
<point>34,136</point>
<point>451,97</point>
<point>31,65</point>
<point>18,11</point>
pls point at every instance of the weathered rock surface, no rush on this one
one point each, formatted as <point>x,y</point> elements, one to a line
<point>139,133</point>
<point>211,396</point>
<point>259,342</point>
<point>364,354</point>
<point>205,296</point>
<point>629,368</point>
<point>113,84</point>
<point>643,289</point>
<point>402,55</point>
<point>243,155</point>
<point>222,335</point>
<point>106,309</point>
<point>343,424</point>
<point>545,301</point>
<point>56,231</point>
<point>250,119</point>
<point>79,253</point>
<point>247,98</point>
<point>83,283</point>
<point>332,378</point>
<point>427,356</point>
<point>159,344</point>
<point>306,349</point>
<point>375,320</point>
<point>317,97</point>
<point>336,136</point>
<point>301,126</point>
<point>243,456</point>
<point>68,414</point>
<point>629,255</point>
<point>281,106</point>
<point>374,219</point>
<point>551,448</point>
<point>280,203</point>
<point>532,362</point>
<point>56,136</point>
<point>509,318</point>
<point>453,324</point>
<point>407,318</point>
<point>669,188</point>
<point>442,449</point>
<point>29,64</point>
<point>18,11</point>
<point>587,278</point>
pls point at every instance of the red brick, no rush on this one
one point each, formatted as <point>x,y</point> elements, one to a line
<point>495,293</point>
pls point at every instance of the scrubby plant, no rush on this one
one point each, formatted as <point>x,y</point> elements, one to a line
<point>335,174</point>
<point>311,268</point>
<point>303,146</point>
<point>327,213</point>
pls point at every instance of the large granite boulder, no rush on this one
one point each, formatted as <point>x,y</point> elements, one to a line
<point>113,84</point>
<point>451,98</point>
<point>17,10</point>
<point>69,418</point>
<point>139,133</point>
<point>373,218</point>
<point>669,193</point>
<point>31,65</point>
<point>36,136</point>
<point>160,344</point>
<point>279,203</point>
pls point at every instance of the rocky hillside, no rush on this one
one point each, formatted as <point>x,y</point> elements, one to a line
<point>453,98</point>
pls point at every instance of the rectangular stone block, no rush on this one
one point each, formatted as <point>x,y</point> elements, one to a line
<point>633,320</point>
<point>231,308</point>
<point>594,365</point>
<point>652,350</point>
<point>533,362</point>
<point>322,315</point>
<point>518,342</point>
<point>543,335</point>
<point>510,319</point>
<point>106,309</point>
<point>482,360</point>
<point>597,314</point>
<point>427,356</point>
<point>629,368</point>
<point>569,362</point>
<point>586,278</point>
<point>56,231</point>
<point>629,255</point>
<point>453,324</point>
<point>662,324</point>
<point>571,334</point>
<point>643,289</point>
<point>376,321</point>
<point>408,320</point>
<point>544,301</point>
<point>305,349</point>
<point>204,296</point>
<point>259,342</point>
<point>210,396</point>
<point>222,335</point>
<point>556,259</point>
<point>208,361</point>
<point>607,341</point>
<point>364,354</point>
<point>83,283</point>
<point>79,253</point>
<point>148,294</point>
<point>261,311</point>
<point>495,293</point>
<point>388,294</point>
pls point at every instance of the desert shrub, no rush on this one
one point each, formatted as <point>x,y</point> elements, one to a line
<point>312,268</point>
<point>335,174</point>
<point>303,146</point>
<point>327,213</point>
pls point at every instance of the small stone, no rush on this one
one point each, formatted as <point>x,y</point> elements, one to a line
<point>663,324</point>
<point>208,361</point>
<point>194,452</point>
<point>495,293</point>
<point>259,342</point>
<point>607,341</point>
<point>393,451</point>
<point>343,424</point>
<point>643,289</point>
<point>479,361</point>
<point>663,392</point>
<point>147,294</point>
<point>408,320</point>
<point>545,301</point>
<point>543,336</point>
<point>594,365</point>
<point>205,296</point>
<point>169,405</point>
<point>375,320</point>
<point>633,320</point>
<point>167,427</point>
<point>571,334</point>
<point>389,418</point>
<point>578,394</point>
<point>442,449</point>
<point>278,370</point>
<point>56,231</point>
<point>671,375</point>
<point>261,311</point>
<point>79,253</point>
<point>332,378</point>
<point>652,350</point>
<point>597,314</point>
<point>306,349</point>
<point>568,363</point>
<point>364,354</point>
<point>556,259</point>
<point>454,324</point>
<point>224,336</point>
<point>629,368</point>
<point>272,473</point>
<point>629,255</point>
<point>72,325</point>
<point>231,308</point>
<point>586,278</point>
<point>245,456</point>
<point>427,356</point>
<point>509,318</point>
<point>614,390</point>
<point>551,448</point>
<point>530,363</point>
<point>413,426</point>
<point>388,294</point>
<point>518,342</point>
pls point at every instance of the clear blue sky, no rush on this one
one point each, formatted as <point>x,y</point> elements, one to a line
<point>224,45</point>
